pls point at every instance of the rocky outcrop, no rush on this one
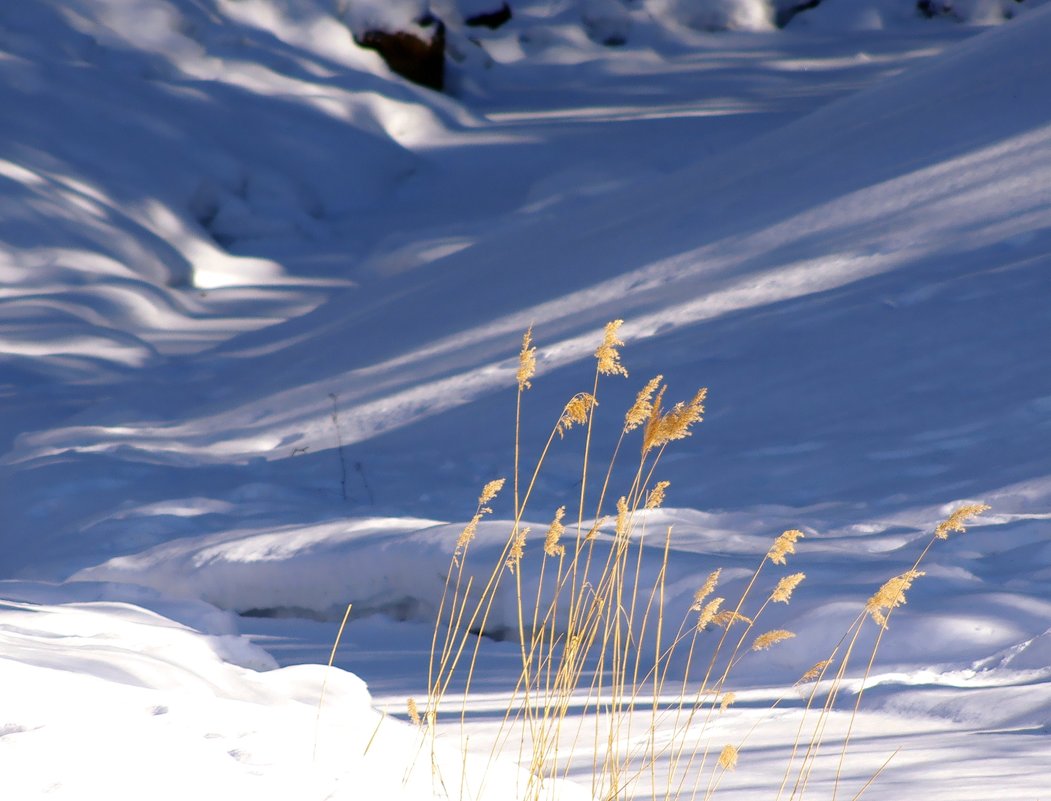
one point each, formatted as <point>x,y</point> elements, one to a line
<point>417,55</point>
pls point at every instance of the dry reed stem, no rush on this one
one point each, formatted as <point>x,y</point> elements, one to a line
<point>324,681</point>
<point>607,621</point>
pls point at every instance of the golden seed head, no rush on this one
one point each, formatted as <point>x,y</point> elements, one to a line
<point>640,411</point>
<point>728,758</point>
<point>728,698</point>
<point>554,534</point>
<point>490,491</point>
<point>705,589</point>
<point>770,638</point>
<point>783,591</point>
<point>526,361</point>
<point>649,434</point>
<point>727,618</point>
<point>815,672</point>
<point>783,546</point>
<point>623,517</point>
<point>955,521</point>
<point>468,533</point>
<point>709,613</point>
<point>576,411</point>
<point>656,495</point>
<point>890,596</point>
<point>662,429</point>
<point>514,556</point>
<point>414,712</point>
<point>607,354</point>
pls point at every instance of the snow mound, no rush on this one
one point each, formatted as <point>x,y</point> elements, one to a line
<point>159,705</point>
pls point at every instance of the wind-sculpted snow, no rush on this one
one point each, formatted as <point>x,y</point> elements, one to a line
<point>133,700</point>
<point>260,309</point>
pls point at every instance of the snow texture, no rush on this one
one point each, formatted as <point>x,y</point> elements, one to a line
<point>260,308</point>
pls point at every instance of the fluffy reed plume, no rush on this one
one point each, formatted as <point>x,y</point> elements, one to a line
<point>552,547</point>
<point>814,672</point>
<point>607,354</point>
<point>517,550</point>
<point>526,361</point>
<point>785,587</point>
<point>640,411</point>
<point>655,498</point>
<point>727,618</point>
<point>414,712</point>
<point>783,546</point>
<point>623,518</point>
<point>653,422</point>
<point>705,590</point>
<point>490,491</point>
<point>468,534</point>
<point>675,424</point>
<point>771,638</point>
<point>955,521</point>
<point>890,596</point>
<point>728,758</point>
<point>576,412</point>
<point>728,699</point>
<point>709,613</point>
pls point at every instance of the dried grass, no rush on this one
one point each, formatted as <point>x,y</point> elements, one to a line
<point>597,636</point>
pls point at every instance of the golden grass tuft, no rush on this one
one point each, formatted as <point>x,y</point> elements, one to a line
<point>815,672</point>
<point>784,545</point>
<point>491,490</point>
<point>576,412</point>
<point>728,617</point>
<point>890,596</point>
<point>955,521</point>
<point>709,613</point>
<point>642,408</point>
<point>655,498</point>
<point>706,589</point>
<point>676,423</point>
<point>552,546</point>
<point>728,758</point>
<point>517,551</point>
<point>597,634</point>
<point>770,639</point>
<point>785,587</point>
<point>414,711</point>
<point>607,354</point>
<point>526,361</point>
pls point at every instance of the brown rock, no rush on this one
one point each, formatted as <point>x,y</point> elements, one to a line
<point>413,57</point>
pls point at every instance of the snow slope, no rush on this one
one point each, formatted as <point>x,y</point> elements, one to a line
<point>261,309</point>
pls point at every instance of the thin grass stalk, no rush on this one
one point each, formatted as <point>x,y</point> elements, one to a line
<point>810,757</point>
<point>324,681</point>
<point>703,688</point>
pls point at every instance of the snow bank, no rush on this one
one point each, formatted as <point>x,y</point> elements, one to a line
<point>113,699</point>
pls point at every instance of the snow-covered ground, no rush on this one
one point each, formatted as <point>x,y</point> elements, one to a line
<point>260,309</point>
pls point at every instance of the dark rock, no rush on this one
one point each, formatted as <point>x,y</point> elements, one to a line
<point>413,57</point>
<point>490,19</point>
<point>785,14</point>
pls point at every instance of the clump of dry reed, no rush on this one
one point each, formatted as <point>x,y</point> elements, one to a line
<point>596,636</point>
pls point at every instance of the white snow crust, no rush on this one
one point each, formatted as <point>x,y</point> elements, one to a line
<point>260,308</point>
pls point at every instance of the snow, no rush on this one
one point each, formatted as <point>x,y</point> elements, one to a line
<point>260,312</point>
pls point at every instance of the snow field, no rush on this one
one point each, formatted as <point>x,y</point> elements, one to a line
<point>260,308</point>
